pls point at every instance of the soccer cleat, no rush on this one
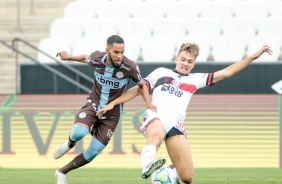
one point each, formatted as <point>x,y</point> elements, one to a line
<point>61,178</point>
<point>153,166</point>
<point>61,150</point>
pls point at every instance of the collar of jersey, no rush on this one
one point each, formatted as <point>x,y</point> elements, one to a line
<point>174,70</point>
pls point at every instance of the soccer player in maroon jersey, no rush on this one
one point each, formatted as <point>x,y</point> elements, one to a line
<point>112,72</point>
<point>172,91</point>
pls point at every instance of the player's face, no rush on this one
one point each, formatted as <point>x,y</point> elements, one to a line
<point>185,62</point>
<point>115,53</point>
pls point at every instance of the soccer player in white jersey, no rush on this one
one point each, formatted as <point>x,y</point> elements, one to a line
<point>172,91</point>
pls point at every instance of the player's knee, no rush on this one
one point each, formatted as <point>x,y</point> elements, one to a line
<point>78,132</point>
<point>93,150</point>
<point>91,153</point>
<point>186,177</point>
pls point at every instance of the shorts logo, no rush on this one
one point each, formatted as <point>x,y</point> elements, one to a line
<point>110,133</point>
<point>82,115</point>
<point>94,106</point>
<point>119,75</point>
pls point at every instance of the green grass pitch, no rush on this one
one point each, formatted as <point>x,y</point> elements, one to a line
<point>132,176</point>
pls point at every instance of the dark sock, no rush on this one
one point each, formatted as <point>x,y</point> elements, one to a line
<point>71,143</point>
<point>77,162</point>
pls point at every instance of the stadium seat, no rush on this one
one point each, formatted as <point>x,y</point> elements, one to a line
<point>228,50</point>
<point>216,10</point>
<point>52,46</point>
<point>66,28</point>
<point>200,2</point>
<point>239,28</point>
<point>275,10</point>
<point>89,45</point>
<point>254,11</point>
<point>205,28</point>
<point>132,48</point>
<point>80,10</point>
<point>139,29</point>
<point>96,1</point>
<point>271,27</point>
<point>257,42</point>
<point>179,11</point>
<point>170,28</point>
<point>150,12</point>
<point>115,12</point>
<point>99,27</point>
<point>158,49</point>
<point>126,2</point>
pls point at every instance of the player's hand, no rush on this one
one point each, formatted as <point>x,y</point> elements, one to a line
<point>63,55</point>
<point>102,111</point>
<point>264,49</point>
<point>152,107</point>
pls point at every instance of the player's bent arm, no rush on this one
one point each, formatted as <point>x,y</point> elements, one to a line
<point>79,58</point>
<point>145,94</point>
<point>125,97</point>
<point>239,66</point>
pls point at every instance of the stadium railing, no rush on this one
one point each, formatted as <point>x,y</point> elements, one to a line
<point>78,74</point>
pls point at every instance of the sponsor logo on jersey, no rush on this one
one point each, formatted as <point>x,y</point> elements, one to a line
<point>82,115</point>
<point>119,75</point>
<point>123,66</point>
<point>167,81</point>
<point>108,82</point>
<point>88,59</point>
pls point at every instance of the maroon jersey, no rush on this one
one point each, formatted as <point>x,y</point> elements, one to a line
<point>110,82</point>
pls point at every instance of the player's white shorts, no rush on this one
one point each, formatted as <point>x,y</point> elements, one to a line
<point>168,122</point>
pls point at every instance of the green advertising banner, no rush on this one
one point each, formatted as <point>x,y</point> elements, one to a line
<point>223,131</point>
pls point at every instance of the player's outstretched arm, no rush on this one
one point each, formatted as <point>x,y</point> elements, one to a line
<point>65,56</point>
<point>239,66</point>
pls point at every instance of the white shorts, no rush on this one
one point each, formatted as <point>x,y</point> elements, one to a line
<point>167,122</point>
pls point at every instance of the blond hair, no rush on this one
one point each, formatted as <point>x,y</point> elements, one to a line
<point>192,48</point>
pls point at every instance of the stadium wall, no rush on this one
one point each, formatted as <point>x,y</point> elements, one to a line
<point>255,79</point>
<point>224,130</point>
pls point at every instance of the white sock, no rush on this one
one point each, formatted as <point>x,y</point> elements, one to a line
<point>147,155</point>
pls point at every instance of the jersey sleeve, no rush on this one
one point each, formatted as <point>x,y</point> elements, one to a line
<point>91,59</point>
<point>153,78</point>
<point>203,79</point>
<point>135,74</point>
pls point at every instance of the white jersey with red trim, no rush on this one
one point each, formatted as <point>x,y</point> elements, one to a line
<point>172,91</point>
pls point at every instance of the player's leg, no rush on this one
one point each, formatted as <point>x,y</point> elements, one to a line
<point>84,120</point>
<point>102,132</point>
<point>154,137</point>
<point>78,131</point>
<point>180,154</point>
<point>94,148</point>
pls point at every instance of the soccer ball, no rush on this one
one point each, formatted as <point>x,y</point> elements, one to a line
<point>164,175</point>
